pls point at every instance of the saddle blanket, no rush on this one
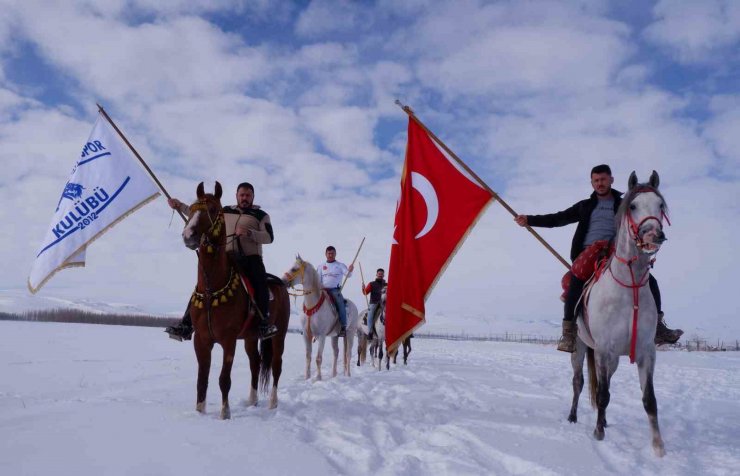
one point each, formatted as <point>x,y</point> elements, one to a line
<point>586,263</point>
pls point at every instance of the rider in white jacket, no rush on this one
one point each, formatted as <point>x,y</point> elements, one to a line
<point>331,274</point>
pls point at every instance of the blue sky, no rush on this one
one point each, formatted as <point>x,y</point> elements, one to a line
<point>298,98</point>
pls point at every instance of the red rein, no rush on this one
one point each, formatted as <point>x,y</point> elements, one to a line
<point>636,284</point>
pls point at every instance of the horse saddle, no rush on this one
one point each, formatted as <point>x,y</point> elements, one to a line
<point>591,260</point>
<point>271,279</point>
<point>334,303</point>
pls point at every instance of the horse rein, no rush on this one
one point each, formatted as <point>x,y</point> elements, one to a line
<point>633,230</point>
<point>205,242</point>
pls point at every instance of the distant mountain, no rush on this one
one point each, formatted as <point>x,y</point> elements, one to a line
<point>18,302</point>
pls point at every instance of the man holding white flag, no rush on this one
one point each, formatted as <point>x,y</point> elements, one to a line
<point>106,185</point>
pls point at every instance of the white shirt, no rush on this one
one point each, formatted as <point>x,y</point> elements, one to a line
<point>331,274</point>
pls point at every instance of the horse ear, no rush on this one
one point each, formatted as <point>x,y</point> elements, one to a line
<point>654,180</point>
<point>199,191</point>
<point>632,181</point>
<point>219,191</point>
<point>298,257</point>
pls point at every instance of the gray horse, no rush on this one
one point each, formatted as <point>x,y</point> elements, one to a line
<point>619,315</point>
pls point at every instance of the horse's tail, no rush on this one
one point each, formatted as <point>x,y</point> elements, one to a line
<point>265,365</point>
<point>592,382</point>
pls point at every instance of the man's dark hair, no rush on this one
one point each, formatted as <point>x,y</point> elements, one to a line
<point>379,270</point>
<point>245,185</point>
<point>601,169</point>
<point>330,248</point>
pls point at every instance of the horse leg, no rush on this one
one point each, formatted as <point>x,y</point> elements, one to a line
<point>576,361</point>
<point>203,349</point>
<point>250,346</point>
<point>278,346</point>
<point>348,340</point>
<point>320,356</point>
<point>406,353</point>
<point>606,365</point>
<point>380,355</point>
<point>359,349</point>
<point>645,367</point>
<point>307,342</point>
<point>335,353</point>
<point>224,380</point>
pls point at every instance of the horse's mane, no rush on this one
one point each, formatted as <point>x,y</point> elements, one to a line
<point>629,197</point>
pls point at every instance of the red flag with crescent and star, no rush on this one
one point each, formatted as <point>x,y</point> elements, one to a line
<point>439,205</point>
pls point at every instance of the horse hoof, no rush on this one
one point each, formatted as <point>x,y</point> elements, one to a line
<point>573,418</point>
<point>658,447</point>
<point>599,434</point>
<point>200,407</point>
<point>225,414</point>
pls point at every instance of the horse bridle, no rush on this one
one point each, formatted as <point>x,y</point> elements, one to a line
<point>291,276</point>
<point>216,225</point>
<point>634,232</point>
<point>634,228</point>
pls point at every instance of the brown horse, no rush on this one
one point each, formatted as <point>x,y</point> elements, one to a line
<point>223,312</point>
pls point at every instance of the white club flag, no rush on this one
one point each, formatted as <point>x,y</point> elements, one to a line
<point>106,184</point>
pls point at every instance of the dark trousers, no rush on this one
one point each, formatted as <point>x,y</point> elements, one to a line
<point>576,288</point>
<point>254,268</point>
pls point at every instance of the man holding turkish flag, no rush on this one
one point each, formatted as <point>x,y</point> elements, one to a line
<point>439,205</point>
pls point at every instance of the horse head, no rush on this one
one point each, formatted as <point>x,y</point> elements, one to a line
<point>296,273</point>
<point>644,209</point>
<point>205,224</point>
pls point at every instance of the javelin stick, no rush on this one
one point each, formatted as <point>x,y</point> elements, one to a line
<point>483,184</point>
<point>352,264</point>
<point>362,275</point>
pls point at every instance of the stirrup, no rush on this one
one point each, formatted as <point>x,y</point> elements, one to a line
<point>179,332</point>
<point>342,331</point>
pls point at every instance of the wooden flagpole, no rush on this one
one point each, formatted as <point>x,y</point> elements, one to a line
<point>462,164</point>
<point>353,262</point>
<point>362,275</point>
<point>141,160</point>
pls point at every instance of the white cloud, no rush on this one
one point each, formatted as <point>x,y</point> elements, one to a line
<point>328,16</point>
<point>693,30</point>
<point>185,56</point>
<point>346,132</point>
<point>721,130</point>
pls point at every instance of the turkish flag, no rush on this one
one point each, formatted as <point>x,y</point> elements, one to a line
<point>439,205</point>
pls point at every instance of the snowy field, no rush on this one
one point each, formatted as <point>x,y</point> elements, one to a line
<point>91,400</point>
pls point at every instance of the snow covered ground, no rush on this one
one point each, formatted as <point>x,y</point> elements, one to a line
<point>89,400</point>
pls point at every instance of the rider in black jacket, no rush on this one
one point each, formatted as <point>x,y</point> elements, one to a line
<point>594,223</point>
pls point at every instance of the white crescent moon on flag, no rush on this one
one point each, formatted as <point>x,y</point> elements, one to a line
<point>425,188</point>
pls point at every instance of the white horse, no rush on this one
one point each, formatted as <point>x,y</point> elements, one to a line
<point>320,319</point>
<point>375,345</point>
<point>620,312</point>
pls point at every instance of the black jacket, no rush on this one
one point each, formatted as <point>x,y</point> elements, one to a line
<point>581,213</point>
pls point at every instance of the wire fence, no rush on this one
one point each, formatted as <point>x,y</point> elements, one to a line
<point>692,344</point>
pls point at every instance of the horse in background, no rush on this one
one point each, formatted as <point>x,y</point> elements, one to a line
<point>406,350</point>
<point>222,312</point>
<point>374,345</point>
<point>619,315</point>
<point>320,318</point>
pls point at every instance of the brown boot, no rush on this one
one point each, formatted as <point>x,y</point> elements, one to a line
<point>567,342</point>
<point>664,335</point>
